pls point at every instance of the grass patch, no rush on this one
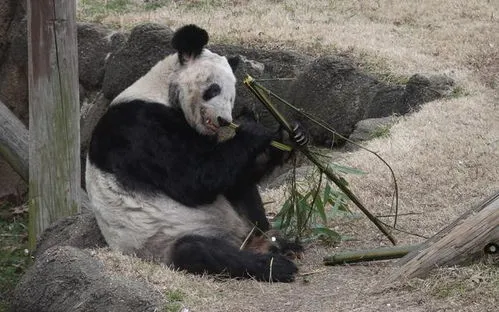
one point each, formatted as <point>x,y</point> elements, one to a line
<point>381,132</point>
<point>175,300</point>
<point>467,284</point>
<point>97,10</point>
<point>13,243</point>
<point>459,91</point>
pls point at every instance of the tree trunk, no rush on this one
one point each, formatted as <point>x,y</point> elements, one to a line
<point>460,242</point>
<point>54,148</point>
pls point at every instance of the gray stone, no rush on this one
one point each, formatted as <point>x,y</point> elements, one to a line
<point>333,90</point>
<point>421,89</point>
<point>80,231</point>
<point>369,128</point>
<point>146,45</point>
<point>276,70</point>
<point>95,43</point>
<point>69,279</point>
<point>388,100</point>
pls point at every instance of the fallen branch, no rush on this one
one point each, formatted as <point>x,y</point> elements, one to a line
<point>369,255</point>
<point>469,237</point>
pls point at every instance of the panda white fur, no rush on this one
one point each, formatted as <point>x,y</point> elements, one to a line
<point>161,184</point>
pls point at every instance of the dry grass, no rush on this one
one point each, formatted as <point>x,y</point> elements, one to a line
<point>445,156</point>
<point>404,37</point>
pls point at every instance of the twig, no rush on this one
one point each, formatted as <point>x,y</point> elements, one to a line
<point>247,238</point>
<point>311,272</point>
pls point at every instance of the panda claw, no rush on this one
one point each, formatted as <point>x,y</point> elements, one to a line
<point>298,135</point>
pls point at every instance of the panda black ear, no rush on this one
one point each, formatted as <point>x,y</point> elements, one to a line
<point>233,62</point>
<point>189,42</point>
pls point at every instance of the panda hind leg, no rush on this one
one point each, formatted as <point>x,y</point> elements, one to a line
<point>200,254</point>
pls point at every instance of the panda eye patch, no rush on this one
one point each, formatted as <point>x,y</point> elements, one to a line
<point>212,91</point>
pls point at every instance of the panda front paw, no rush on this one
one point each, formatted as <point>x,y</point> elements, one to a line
<point>288,249</point>
<point>278,269</point>
<point>254,128</point>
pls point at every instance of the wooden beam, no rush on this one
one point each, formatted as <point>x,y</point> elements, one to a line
<point>460,242</point>
<point>54,148</point>
<point>14,142</point>
<point>14,148</point>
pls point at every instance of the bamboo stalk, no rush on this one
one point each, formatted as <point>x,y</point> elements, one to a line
<point>384,253</point>
<point>258,90</point>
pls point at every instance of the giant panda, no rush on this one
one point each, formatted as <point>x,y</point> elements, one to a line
<point>162,184</point>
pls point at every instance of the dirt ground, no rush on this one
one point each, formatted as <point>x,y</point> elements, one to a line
<point>445,155</point>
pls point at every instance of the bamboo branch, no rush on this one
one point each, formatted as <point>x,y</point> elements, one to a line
<point>369,255</point>
<point>259,91</point>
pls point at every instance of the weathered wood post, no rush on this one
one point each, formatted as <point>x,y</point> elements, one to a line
<point>54,124</point>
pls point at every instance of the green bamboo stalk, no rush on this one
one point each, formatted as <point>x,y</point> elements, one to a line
<point>261,93</point>
<point>383,253</point>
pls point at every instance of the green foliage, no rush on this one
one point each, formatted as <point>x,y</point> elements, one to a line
<point>175,298</point>
<point>312,204</point>
<point>459,92</point>
<point>381,132</point>
<point>13,258</point>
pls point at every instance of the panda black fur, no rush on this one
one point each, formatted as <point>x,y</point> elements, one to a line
<point>161,184</point>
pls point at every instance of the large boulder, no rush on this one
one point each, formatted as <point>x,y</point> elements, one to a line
<point>69,279</point>
<point>147,44</point>
<point>95,43</point>
<point>79,231</point>
<point>421,89</point>
<point>334,90</point>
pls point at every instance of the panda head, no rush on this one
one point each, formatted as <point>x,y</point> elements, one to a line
<point>204,83</point>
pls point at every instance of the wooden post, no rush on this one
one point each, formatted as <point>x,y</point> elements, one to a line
<point>462,241</point>
<point>54,148</point>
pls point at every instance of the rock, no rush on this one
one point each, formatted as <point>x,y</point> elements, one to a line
<point>332,89</point>
<point>387,101</point>
<point>69,279</point>
<point>7,9</point>
<point>95,43</point>
<point>80,231</point>
<point>93,108</point>
<point>10,182</point>
<point>262,64</point>
<point>421,89</point>
<point>14,70</point>
<point>147,44</point>
<point>370,128</point>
